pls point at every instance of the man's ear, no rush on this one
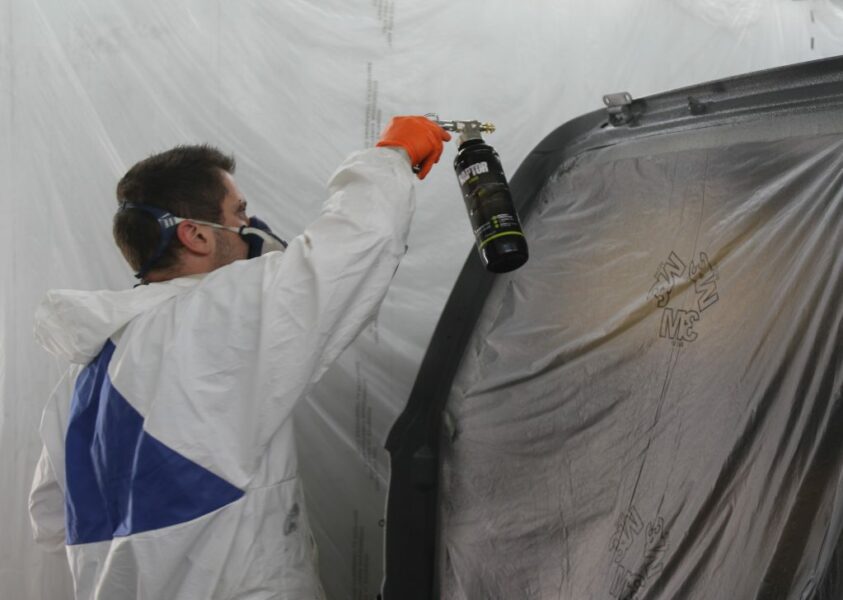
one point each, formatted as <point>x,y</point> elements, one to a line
<point>195,238</point>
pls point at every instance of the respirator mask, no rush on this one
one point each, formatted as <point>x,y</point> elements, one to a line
<point>257,234</point>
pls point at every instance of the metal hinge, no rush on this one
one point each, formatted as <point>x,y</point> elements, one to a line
<point>623,109</point>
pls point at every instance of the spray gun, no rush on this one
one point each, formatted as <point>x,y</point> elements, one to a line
<point>497,231</point>
<point>468,127</point>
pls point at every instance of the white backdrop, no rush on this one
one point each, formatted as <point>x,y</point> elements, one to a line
<point>89,87</point>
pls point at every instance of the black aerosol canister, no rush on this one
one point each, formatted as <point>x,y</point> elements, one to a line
<point>497,230</point>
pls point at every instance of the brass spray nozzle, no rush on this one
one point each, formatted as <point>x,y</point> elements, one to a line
<point>460,126</point>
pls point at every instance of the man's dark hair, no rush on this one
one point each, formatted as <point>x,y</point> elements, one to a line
<point>186,182</point>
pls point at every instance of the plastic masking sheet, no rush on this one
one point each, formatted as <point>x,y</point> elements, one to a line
<point>652,407</point>
<point>87,88</point>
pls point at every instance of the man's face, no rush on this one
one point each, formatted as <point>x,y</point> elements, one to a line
<point>229,245</point>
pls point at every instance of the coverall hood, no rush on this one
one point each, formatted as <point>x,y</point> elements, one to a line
<point>74,324</point>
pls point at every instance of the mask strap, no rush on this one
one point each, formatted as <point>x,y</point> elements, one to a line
<point>214,225</point>
<point>166,226</point>
<point>167,223</point>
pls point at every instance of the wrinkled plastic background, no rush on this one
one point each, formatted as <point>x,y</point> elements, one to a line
<point>87,88</point>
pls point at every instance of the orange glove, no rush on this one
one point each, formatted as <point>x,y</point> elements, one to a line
<point>420,137</point>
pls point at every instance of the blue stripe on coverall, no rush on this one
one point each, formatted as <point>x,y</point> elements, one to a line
<point>120,480</point>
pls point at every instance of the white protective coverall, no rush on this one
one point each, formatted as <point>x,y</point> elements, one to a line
<point>169,468</point>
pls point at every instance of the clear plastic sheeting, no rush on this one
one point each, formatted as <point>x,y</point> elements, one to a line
<point>88,88</point>
<point>652,407</point>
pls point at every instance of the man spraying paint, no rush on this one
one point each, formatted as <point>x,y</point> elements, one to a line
<point>169,466</point>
